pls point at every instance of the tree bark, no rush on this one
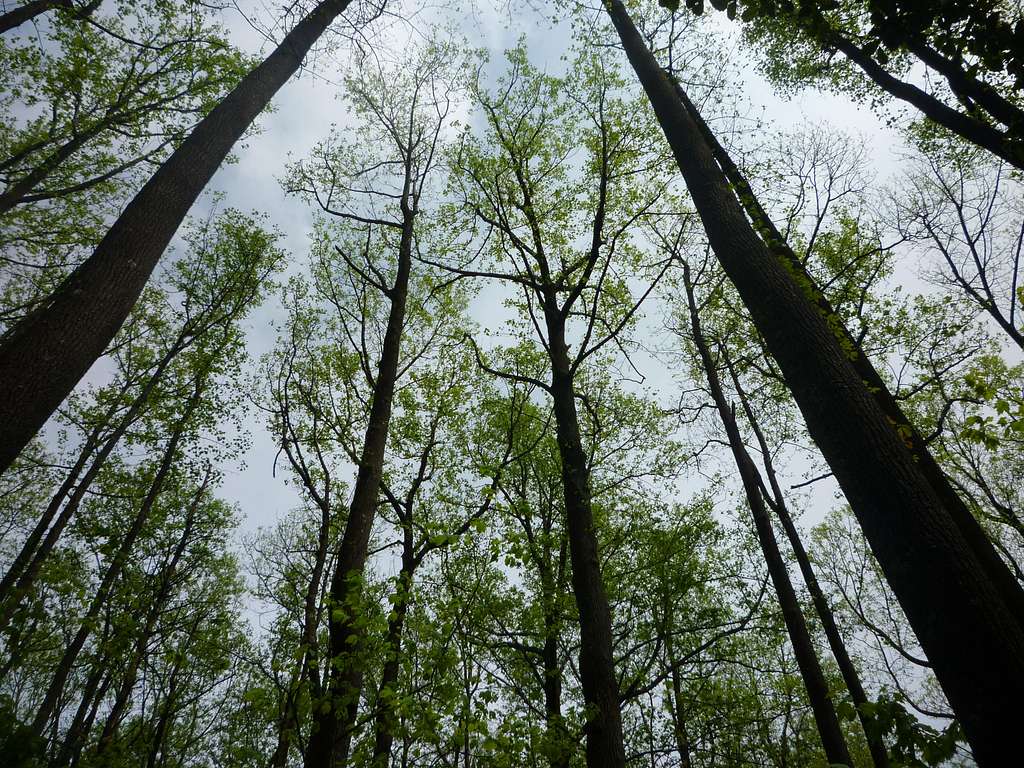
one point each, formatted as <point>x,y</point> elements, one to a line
<point>777,502</point>
<point>29,11</point>
<point>20,577</point>
<point>559,739</point>
<point>825,717</point>
<point>47,353</point>
<point>966,126</point>
<point>961,81</point>
<point>777,245</point>
<point>978,653</point>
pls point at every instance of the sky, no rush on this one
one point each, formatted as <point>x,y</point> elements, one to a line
<point>305,110</point>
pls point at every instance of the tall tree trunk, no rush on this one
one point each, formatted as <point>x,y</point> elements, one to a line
<point>605,747</point>
<point>113,572</point>
<point>963,82</point>
<point>335,718</point>
<point>677,711</point>
<point>777,245</point>
<point>95,689</point>
<point>288,723</point>
<point>559,739</point>
<point>166,717</point>
<point>825,717</point>
<point>777,502</point>
<point>974,129</point>
<point>48,352</point>
<point>978,654</point>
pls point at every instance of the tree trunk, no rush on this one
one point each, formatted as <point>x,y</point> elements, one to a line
<point>679,718</point>
<point>95,689</point>
<point>29,11</point>
<point>605,747</point>
<point>966,126</point>
<point>334,720</point>
<point>47,353</point>
<point>559,740</point>
<point>153,613</point>
<point>776,243</point>
<point>20,577</point>
<point>825,717</point>
<point>970,634</point>
<point>961,81</point>
<point>166,717</point>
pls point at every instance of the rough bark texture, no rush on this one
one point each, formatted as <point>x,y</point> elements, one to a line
<point>329,742</point>
<point>777,245</point>
<point>597,665</point>
<point>824,711</point>
<point>47,353</point>
<point>967,629</point>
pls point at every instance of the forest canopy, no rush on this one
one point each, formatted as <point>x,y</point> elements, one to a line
<point>570,384</point>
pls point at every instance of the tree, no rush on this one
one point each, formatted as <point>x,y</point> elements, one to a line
<point>221,279</point>
<point>28,11</point>
<point>832,738</point>
<point>897,506</point>
<point>530,230</point>
<point>972,47</point>
<point>44,356</point>
<point>377,187</point>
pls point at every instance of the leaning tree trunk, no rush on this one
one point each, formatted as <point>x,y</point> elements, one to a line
<point>776,243</point>
<point>21,574</point>
<point>1004,145</point>
<point>154,612</point>
<point>28,11</point>
<point>806,657</point>
<point>336,717</point>
<point>47,353</point>
<point>605,747</point>
<point>960,615</point>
